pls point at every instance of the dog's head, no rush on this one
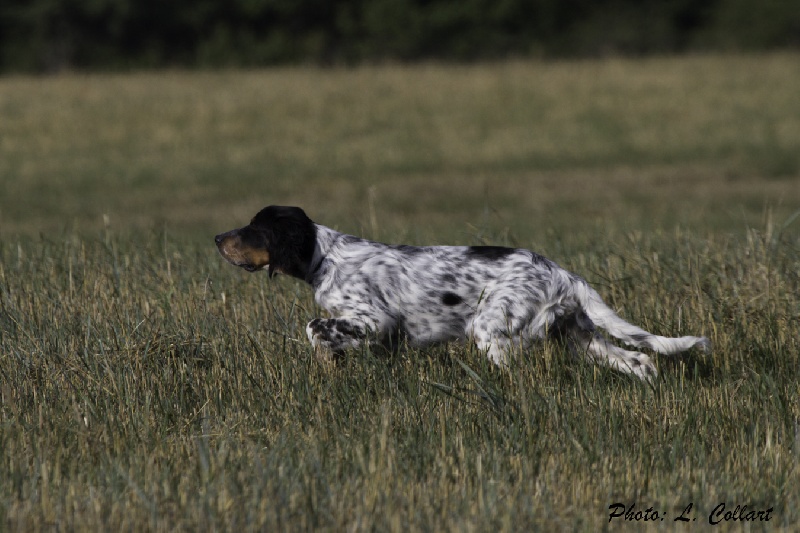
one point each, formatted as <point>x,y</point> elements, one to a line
<point>279,239</point>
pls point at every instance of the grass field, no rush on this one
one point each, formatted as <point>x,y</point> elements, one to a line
<point>147,385</point>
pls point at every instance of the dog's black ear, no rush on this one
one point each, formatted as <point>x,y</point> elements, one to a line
<point>291,237</point>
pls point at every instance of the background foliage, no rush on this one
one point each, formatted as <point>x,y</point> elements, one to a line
<point>48,35</point>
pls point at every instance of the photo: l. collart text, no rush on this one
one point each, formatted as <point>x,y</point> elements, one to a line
<point>723,512</point>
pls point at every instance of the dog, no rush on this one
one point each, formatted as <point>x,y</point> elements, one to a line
<point>500,298</point>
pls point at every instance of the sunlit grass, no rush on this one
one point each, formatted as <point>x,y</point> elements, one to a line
<point>146,384</point>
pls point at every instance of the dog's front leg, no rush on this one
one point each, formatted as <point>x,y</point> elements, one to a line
<point>330,337</point>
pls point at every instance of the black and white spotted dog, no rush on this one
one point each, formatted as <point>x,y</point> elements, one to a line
<point>501,298</point>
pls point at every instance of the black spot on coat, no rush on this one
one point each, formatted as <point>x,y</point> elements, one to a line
<point>450,298</point>
<point>489,253</point>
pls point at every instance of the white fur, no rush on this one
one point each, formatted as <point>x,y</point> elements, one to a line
<point>499,298</point>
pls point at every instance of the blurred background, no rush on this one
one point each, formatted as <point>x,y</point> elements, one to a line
<point>472,120</point>
<point>53,35</point>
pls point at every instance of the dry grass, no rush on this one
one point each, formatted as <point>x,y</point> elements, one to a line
<point>146,385</point>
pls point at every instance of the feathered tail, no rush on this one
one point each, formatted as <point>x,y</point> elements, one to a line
<point>605,318</point>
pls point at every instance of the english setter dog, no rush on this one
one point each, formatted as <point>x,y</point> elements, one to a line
<point>500,298</point>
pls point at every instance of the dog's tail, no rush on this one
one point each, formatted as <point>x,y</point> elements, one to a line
<point>605,318</point>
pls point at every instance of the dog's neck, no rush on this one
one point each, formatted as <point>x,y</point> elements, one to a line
<point>326,237</point>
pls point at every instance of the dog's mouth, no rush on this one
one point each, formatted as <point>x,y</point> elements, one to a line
<point>240,254</point>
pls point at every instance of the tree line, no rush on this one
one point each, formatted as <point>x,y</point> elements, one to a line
<point>52,35</point>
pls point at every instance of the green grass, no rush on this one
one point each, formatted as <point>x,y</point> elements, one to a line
<point>533,141</point>
<point>147,385</point>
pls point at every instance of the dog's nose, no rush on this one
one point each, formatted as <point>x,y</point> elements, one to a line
<point>218,239</point>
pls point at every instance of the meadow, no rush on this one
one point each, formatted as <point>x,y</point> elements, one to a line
<point>147,385</point>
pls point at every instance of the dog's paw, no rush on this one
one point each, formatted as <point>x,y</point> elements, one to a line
<point>318,331</point>
<point>703,344</point>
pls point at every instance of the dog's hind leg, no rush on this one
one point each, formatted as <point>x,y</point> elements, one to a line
<point>585,341</point>
<point>498,332</point>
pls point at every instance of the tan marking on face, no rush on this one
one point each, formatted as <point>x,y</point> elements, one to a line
<point>237,253</point>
